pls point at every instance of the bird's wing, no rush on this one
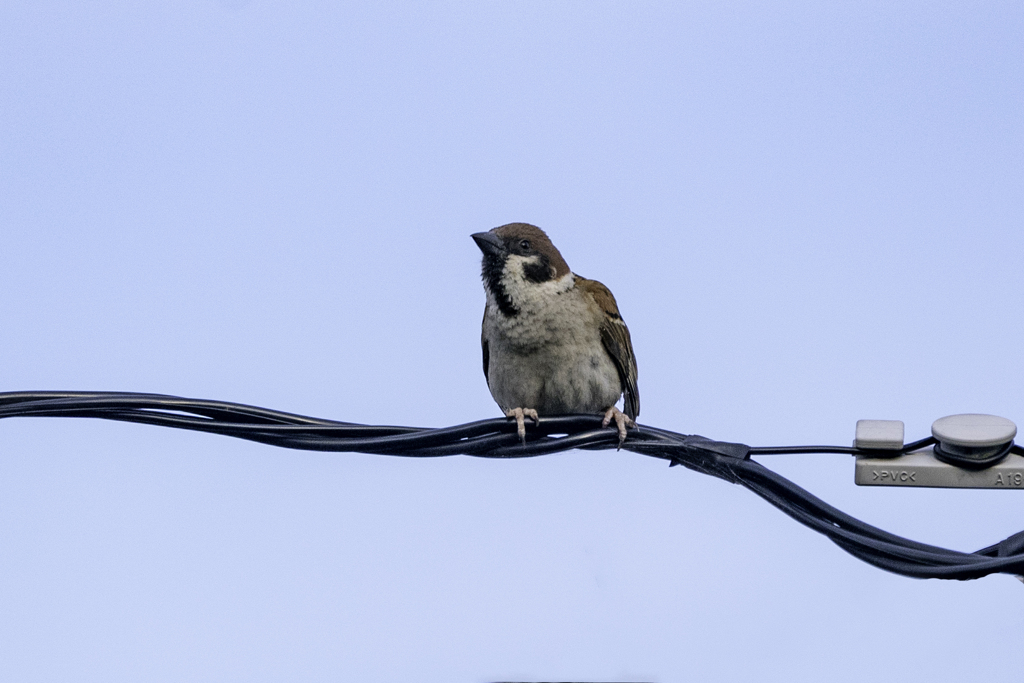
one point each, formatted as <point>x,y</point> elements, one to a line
<point>615,337</point>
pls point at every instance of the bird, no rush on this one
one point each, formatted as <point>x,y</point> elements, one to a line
<point>553,342</point>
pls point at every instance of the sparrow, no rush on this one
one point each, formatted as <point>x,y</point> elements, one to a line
<point>553,341</point>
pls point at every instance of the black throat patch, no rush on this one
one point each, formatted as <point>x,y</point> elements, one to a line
<point>493,268</point>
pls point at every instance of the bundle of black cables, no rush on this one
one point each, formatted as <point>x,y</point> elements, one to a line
<point>498,439</point>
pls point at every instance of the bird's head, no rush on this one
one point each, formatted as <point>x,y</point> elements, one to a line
<point>518,259</point>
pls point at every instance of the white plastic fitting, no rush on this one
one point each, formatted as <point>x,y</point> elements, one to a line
<point>882,435</point>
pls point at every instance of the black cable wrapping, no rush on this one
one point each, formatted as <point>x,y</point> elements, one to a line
<point>497,438</point>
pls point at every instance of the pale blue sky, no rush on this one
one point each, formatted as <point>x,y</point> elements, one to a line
<point>810,214</point>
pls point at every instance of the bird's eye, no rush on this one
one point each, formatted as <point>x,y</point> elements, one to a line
<point>525,245</point>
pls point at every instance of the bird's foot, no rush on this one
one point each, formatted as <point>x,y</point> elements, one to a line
<point>520,414</point>
<point>621,422</point>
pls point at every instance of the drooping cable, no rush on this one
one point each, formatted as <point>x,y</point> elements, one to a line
<point>497,439</point>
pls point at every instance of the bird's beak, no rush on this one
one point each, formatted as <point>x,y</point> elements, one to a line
<point>489,243</point>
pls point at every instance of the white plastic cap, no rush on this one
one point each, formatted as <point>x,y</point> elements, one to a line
<point>974,431</point>
<point>879,435</point>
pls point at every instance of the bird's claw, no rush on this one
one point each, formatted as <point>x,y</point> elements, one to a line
<point>520,414</point>
<point>621,422</point>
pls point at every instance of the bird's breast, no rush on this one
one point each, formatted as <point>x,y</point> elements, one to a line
<point>550,357</point>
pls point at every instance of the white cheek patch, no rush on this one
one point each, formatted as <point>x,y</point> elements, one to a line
<point>523,291</point>
<point>515,270</point>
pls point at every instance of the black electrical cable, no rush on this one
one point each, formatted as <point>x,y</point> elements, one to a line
<point>498,439</point>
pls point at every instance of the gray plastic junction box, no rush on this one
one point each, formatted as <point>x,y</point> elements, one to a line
<point>968,437</point>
